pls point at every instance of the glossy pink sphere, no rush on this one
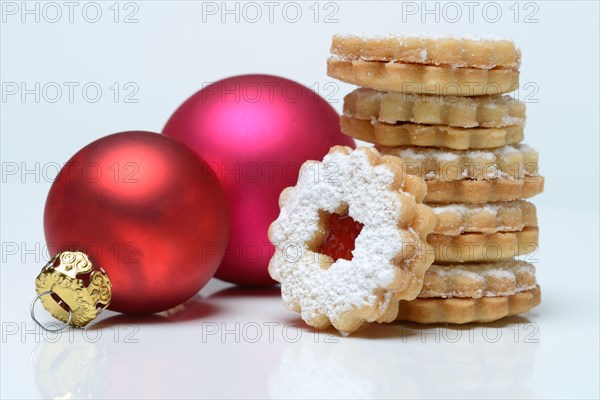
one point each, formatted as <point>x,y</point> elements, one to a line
<point>255,131</point>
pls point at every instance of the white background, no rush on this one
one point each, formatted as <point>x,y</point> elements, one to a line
<point>167,55</point>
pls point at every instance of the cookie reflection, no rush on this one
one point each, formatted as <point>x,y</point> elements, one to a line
<point>420,362</point>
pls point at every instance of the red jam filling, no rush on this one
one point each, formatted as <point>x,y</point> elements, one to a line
<point>343,231</point>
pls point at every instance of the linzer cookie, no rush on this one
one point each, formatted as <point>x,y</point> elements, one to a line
<point>459,310</point>
<point>511,162</point>
<point>476,52</point>
<point>467,191</point>
<point>473,176</point>
<point>350,239</point>
<point>442,65</point>
<point>406,134</point>
<point>467,293</point>
<point>511,216</point>
<point>461,112</point>
<point>478,280</point>
<point>470,247</point>
<point>427,79</point>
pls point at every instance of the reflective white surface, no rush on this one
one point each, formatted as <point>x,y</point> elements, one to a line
<point>237,343</point>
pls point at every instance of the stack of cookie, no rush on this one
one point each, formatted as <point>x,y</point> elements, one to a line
<point>437,104</point>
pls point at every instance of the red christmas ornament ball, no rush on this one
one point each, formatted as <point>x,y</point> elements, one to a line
<point>255,131</point>
<point>147,210</point>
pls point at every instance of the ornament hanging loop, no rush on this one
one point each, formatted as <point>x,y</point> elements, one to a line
<point>84,291</point>
<point>44,327</point>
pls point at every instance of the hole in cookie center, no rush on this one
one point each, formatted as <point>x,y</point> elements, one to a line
<point>343,231</point>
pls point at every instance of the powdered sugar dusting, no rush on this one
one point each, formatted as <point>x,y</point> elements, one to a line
<point>400,37</point>
<point>507,162</point>
<point>448,154</point>
<point>490,208</point>
<point>339,179</point>
<point>510,273</point>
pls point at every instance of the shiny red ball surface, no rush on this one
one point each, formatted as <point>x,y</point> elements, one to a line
<point>255,131</point>
<point>147,210</point>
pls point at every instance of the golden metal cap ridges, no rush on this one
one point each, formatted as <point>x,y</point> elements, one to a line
<point>84,290</point>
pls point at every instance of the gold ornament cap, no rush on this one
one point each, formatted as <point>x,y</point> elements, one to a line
<point>71,289</point>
